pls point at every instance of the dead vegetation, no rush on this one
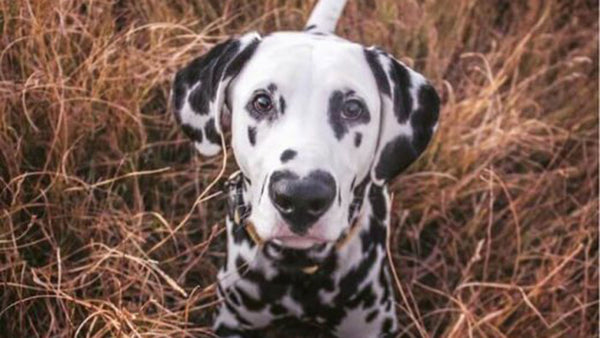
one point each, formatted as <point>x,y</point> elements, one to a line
<point>495,229</point>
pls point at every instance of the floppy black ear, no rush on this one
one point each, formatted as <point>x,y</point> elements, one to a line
<point>410,109</point>
<point>199,90</point>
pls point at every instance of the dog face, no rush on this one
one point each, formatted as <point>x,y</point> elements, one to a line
<point>305,120</point>
<point>312,117</point>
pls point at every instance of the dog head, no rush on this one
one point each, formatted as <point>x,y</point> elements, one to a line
<point>312,117</point>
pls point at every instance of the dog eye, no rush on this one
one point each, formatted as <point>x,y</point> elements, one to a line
<point>353,109</point>
<point>262,103</point>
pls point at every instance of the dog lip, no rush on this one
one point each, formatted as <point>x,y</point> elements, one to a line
<point>298,242</point>
<point>293,238</point>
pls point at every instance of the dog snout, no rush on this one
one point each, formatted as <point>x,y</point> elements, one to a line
<point>301,200</point>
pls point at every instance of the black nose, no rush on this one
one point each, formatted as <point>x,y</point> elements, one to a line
<point>301,201</point>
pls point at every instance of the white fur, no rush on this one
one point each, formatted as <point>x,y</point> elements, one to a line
<point>325,15</point>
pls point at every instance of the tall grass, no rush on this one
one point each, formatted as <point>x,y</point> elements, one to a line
<point>494,230</point>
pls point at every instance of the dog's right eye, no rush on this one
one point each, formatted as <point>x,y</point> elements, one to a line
<point>262,103</point>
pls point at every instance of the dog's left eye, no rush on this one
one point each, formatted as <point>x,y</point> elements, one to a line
<point>262,103</point>
<point>353,109</point>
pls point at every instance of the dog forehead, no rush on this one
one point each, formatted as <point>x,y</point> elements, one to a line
<point>283,43</point>
<point>293,59</point>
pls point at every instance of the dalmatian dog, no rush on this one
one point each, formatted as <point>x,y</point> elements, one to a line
<point>319,126</point>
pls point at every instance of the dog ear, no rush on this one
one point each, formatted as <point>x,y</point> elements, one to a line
<point>199,90</point>
<point>409,115</point>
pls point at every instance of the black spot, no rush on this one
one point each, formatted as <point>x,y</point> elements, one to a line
<point>227,331</point>
<point>378,202</point>
<point>249,302</point>
<point>236,314</point>
<point>192,133</point>
<point>211,132</point>
<point>374,236</point>
<point>384,283</point>
<point>287,155</point>
<point>366,297</point>
<point>403,104</point>
<point>348,284</point>
<point>252,135</point>
<point>358,196</point>
<point>336,100</point>
<point>240,235</point>
<point>387,325</point>
<point>310,27</point>
<point>271,250</point>
<point>338,123</point>
<point>178,93</point>
<point>425,117</point>
<point>378,72</point>
<point>199,101</point>
<point>233,297</point>
<point>282,105</point>
<point>241,265</point>
<point>272,88</point>
<point>357,139</point>
<point>277,309</point>
<point>395,157</point>
<point>371,315</point>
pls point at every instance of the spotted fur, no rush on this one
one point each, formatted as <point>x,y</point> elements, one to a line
<point>350,295</point>
<point>303,125</point>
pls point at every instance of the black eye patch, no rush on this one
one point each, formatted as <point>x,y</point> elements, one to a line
<point>339,120</point>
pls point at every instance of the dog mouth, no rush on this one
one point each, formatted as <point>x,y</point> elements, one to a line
<point>306,253</point>
<point>299,242</point>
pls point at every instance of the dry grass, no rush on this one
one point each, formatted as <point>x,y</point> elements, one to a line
<point>494,230</point>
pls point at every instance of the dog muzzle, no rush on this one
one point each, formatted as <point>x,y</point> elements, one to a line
<point>308,260</point>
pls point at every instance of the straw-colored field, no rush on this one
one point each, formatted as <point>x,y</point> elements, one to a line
<point>494,229</point>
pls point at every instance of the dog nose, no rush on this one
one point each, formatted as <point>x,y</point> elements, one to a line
<point>301,201</point>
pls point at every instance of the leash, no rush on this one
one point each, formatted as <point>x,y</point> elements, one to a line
<point>234,186</point>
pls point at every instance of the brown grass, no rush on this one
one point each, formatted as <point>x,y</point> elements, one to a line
<point>494,230</point>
